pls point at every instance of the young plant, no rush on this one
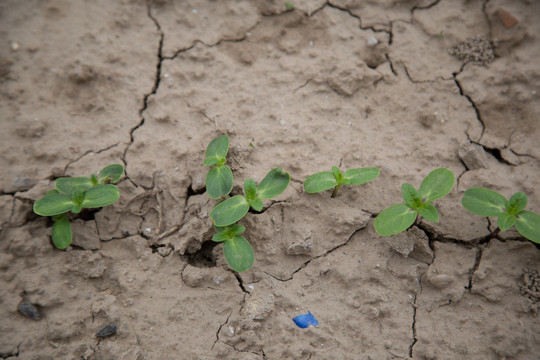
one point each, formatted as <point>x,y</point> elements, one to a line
<point>335,179</point>
<point>219,179</point>
<point>236,248</point>
<point>400,217</point>
<point>235,208</point>
<point>75,194</point>
<point>489,203</point>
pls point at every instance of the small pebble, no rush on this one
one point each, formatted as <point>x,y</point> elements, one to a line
<point>29,311</point>
<point>372,41</point>
<point>507,19</point>
<point>107,331</point>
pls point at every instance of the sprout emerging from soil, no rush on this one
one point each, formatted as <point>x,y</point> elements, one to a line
<point>486,202</point>
<point>219,179</point>
<point>75,194</point>
<point>400,217</point>
<point>236,248</point>
<point>235,208</point>
<point>335,179</point>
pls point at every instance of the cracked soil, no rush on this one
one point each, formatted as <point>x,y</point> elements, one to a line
<point>406,86</point>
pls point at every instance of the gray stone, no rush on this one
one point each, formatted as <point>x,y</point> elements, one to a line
<point>473,156</point>
<point>414,243</point>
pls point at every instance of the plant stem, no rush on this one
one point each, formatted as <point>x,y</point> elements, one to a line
<point>336,189</point>
<point>494,233</point>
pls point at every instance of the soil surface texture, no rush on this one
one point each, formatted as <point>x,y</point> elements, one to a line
<point>407,86</point>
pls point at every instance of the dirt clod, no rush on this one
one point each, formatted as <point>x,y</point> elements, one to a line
<point>477,50</point>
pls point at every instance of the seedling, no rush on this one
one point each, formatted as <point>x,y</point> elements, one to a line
<point>235,208</point>
<point>335,179</point>
<point>236,248</point>
<point>400,217</point>
<point>75,194</point>
<point>219,179</point>
<point>489,203</point>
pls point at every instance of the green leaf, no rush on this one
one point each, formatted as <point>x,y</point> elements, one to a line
<point>220,237</point>
<point>517,203</point>
<point>411,196</point>
<point>219,181</point>
<point>227,232</point>
<point>505,221</point>
<point>61,232</point>
<point>70,185</point>
<point>217,150</point>
<point>111,173</point>
<point>429,212</point>
<point>256,204</point>
<point>229,211</point>
<point>360,176</point>
<point>53,204</point>
<point>484,202</point>
<point>437,184</point>
<point>337,174</point>
<point>250,189</point>
<point>209,161</point>
<point>77,197</point>
<point>100,195</point>
<point>77,208</point>
<point>394,220</point>
<point>238,253</point>
<point>319,182</point>
<point>528,225</point>
<point>273,184</point>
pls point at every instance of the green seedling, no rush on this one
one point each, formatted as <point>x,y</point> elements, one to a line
<point>75,194</point>
<point>236,248</point>
<point>219,179</point>
<point>335,179</point>
<point>289,6</point>
<point>400,217</point>
<point>235,208</point>
<point>489,203</point>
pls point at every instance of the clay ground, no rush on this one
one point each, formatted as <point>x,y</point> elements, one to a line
<point>397,85</point>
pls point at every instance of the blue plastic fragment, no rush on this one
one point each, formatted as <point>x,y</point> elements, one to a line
<point>305,320</point>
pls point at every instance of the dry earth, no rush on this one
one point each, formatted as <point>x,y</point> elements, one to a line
<point>406,86</point>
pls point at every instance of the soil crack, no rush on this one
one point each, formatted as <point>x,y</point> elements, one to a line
<point>372,28</point>
<point>413,327</point>
<point>240,282</point>
<point>473,104</point>
<point>478,258</point>
<point>306,263</point>
<point>428,6</point>
<point>157,80</point>
<point>91,151</point>
<point>216,44</point>
<point>219,329</point>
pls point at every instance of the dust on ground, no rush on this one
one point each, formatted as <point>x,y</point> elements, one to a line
<point>397,85</point>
